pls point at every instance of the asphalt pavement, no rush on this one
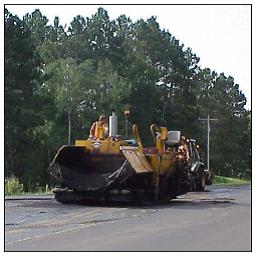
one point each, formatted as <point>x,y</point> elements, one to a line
<point>218,219</point>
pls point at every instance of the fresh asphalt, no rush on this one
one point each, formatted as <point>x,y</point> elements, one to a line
<point>218,219</point>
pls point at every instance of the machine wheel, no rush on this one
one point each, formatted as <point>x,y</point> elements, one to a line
<point>201,184</point>
<point>67,196</point>
<point>192,181</point>
<point>208,180</point>
<point>62,198</point>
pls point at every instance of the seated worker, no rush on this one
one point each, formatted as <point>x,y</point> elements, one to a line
<point>99,129</point>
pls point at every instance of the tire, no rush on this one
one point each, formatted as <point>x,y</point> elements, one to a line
<point>193,185</point>
<point>202,181</point>
<point>208,179</point>
<point>61,198</point>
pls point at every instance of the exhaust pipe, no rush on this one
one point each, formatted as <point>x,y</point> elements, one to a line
<point>113,124</point>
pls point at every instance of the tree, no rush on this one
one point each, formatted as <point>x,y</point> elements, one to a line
<point>49,40</point>
<point>101,32</point>
<point>36,23</point>
<point>23,112</point>
<point>78,40</point>
<point>111,89</point>
<point>102,90</point>
<point>220,97</point>
<point>64,82</point>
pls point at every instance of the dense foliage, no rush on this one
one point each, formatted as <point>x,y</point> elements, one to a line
<point>58,81</point>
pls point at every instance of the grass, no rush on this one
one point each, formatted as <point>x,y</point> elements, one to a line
<point>220,180</point>
<point>12,186</point>
<point>27,193</point>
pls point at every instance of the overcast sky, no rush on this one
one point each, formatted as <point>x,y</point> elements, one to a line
<point>219,34</point>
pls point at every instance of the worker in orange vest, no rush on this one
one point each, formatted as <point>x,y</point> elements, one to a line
<point>183,149</point>
<point>99,128</point>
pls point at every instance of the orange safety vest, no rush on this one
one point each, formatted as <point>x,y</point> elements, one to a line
<point>98,130</point>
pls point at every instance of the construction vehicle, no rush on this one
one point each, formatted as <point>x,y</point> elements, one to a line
<point>109,168</point>
<point>197,174</point>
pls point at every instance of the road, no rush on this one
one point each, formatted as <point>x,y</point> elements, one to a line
<point>215,220</point>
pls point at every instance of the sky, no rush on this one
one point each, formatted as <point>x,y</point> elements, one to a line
<point>219,34</point>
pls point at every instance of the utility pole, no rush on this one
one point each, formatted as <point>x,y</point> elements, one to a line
<point>208,138</point>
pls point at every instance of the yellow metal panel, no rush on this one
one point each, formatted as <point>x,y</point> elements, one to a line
<point>163,133</point>
<point>154,161</point>
<point>102,146</point>
<point>114,147</point>
<point>166,163</point>
<point>161,163</point>
<point>83,143</point>
<point>136,159</point>
<point>106,146</point>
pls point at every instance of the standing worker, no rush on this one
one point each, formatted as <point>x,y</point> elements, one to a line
<point>99,128</point>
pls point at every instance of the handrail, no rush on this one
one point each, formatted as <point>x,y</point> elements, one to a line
<point>154,128</point>
<point>137,136</point>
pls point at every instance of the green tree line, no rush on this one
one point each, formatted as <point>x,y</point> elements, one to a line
<point>58,80</point>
